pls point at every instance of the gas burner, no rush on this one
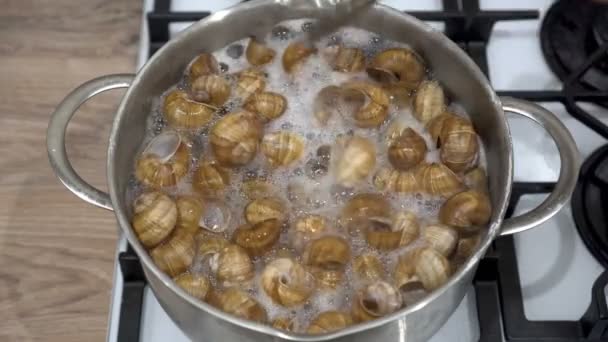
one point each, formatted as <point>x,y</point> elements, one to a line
<point>590,204</point>
<point>571,31</point>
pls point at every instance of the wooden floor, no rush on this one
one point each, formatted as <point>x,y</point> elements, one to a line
<point>56,252</point>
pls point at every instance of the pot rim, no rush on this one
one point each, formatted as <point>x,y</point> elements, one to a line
<point>124,222</point>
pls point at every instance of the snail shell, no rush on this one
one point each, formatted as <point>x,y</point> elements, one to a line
<point>476,179</point>
<point>356,162</point>
<point>465,248</point>
<point>432,268</point>
<point>263,209</point>
<point>287,282</point>
<point>440,237</point>
<point>436,179</point>
<point>435,125</point>
<point>329,321</point>
<point>328,253</point>
<point>327,279</point>
<point>216,217</point>
<point>197,286</point>
<point>429,101</point>
<point>233,265</point>
<point>404,275</point>
<point>155,216</point>
<point>259,238</point>
<point>175,255</point>
<point>364,206</point>
<point>266,105</point>
<point>210,246</point>
<point>211,89</point>
<point>407,150</point>
<point>387,179</point>
<point>249,82</point>
<point>284,323</point>
<point>183,112</point>
<point>282,148</point>
<point>257,53</point>
<point>189,212</point>
<point>459,144</point>
<point>295,54</point>
<point>308,228</point>
<point>466,211</point>
<point>373,102</point>
<point>388,235</point>
<point>368,269</point>
<point>407,223</point>
<point>237,302</point>
<point>327,103</point>
<point>164,161</point>
<point>235,137</point>
<point>397,66</point>
<point>345,59</point>
<point>376,300</point>
<point>257,188</point>
<point>210,179</point>
<point>203,64</point>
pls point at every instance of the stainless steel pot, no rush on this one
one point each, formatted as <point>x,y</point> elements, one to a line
<point>459,75</point>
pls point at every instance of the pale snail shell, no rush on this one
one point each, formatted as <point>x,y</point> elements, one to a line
<point>328,252</point>
<point>257,53</point>
<point>370,103</point>
<point>282,148</point>
<point>266,105</point>
<point>216,217</point>
<point>388,179</point>
<point>263,209</point>
<point>368,268</point>
<point>345,59</point>
<point>257,188</point>
<point>432,268</point>
<point>164,161</point>
<point>429,101</point>
<point>329,321</point>
<point>327,103</point>
<point>295,54</point>
<point>440,237</point>
<point>210,246</point>
<point>285,323</point>
<point>203,64</point>
<point>155,216</point>
<point>237,302</point>
<point>211,89</point>
<point>438,180</point>
<point>356,162</point>
<point>407,150</point>
<point>308,228</point>
<point>235,138</point>
<point>364,206</point>
<point>287,282</point>
<point>196,285</point>
<point>175,254</point>
<point>210,178</point>
<point>397,66</point>
<point>189,212</point>
<point>183,112</point>
<point>466,211</point>
<point>459,145</point>
<point>258,238</point>
<point>476,179</point>
<point>249,82</point>
<point>390,234</point>
<point>232,266</point>
<point>376,300</point>
<point>404,274</point>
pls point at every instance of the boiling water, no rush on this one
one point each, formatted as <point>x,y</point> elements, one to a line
<point>326,197</point>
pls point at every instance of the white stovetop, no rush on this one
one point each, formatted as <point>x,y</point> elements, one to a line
<point>556,270</point>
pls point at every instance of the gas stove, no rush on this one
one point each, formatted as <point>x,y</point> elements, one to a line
<point>548,283</point>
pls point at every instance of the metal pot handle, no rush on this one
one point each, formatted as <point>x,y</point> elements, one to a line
<point>55,136</point>
<point>570,163</point>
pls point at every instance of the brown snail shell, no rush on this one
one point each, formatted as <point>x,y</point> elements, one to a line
<point>282,148</point>
<point>356,162</point>
<point>232,266</point>
<point>328,252</point>
<point>154,218</point>
<point>397,66</point>
<point>432,268</point>
<point>407,150</point>
<point>459,144</point>
<point>435,125</point>
<point>249,82</point>
<point>175,255</point>
<point>196,285</point>
<point>263,209</point>
<point>465,248</point>
<point>329,321</point>
<point>404,275</point>
<point>257,53</point>
<point>387,179</point>
<point>266,105</point>
<point>387,235</point>
<point>368,268</point>
<point>203,64</point>
<point>189,212</point>
<point>376,300</point>
<point>438,180</point>
<point>373,102</point>
<point>259,238</point>
<point>466,211</point>
<point>308,228</point>
<point>363,206</point>
<point>440,237</point>
<point>183,112</point>
<point>284,323</point>
<point>476,179</point>
<point>257,188</point>
<point>235,137</point>
<point>164,161</point>
<point>210,178</point>
<point>429,101</point>
<point>326,103</point>
<point>287,282</point>
<point>211,245</point>
<point>345,59</point>
<point>327,279</point>
<point>211,89</point>
<point>295,54</point>
<point>237,302</point>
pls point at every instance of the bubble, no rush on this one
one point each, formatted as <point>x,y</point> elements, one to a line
<point>286,125</point>
<point>224,67</point>
<point>281,32</point>
<point>307,26</point>
<point>235,51</point>
<point>324,153</point>
<point>315,168</point>
<point>298,171</point>
<point>310,136</point>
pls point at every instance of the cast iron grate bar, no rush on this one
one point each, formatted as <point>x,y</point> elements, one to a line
<point>131,303</point>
